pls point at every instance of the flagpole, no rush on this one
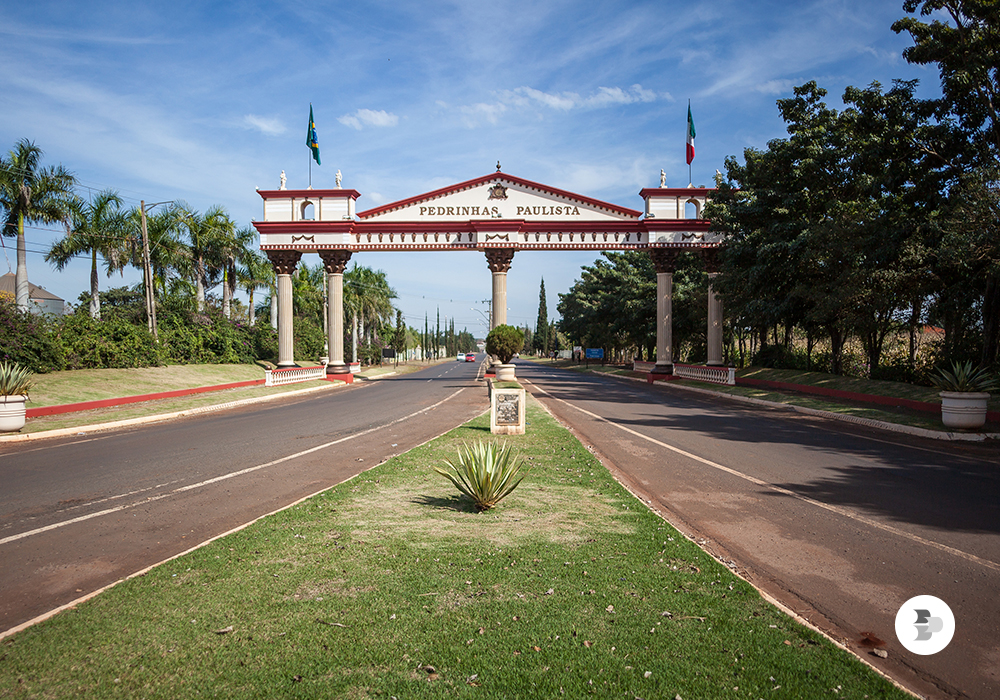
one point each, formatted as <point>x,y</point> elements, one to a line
<point>690,176</point>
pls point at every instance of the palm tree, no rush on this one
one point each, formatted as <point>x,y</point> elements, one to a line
<point>166,250</point>
<point>205,233</point>
<point>31,193</point>
<point>234,249</point>
<point>97,228</point>
<point>256,273</point>
<point>368,298</point>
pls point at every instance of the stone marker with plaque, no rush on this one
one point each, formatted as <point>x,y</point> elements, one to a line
<point>507,411</point>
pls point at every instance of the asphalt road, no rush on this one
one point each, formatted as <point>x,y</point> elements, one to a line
<point>79,513</point>
<point>841,524</point>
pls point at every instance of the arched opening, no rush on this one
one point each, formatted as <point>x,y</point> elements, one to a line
<point>692,209</point>
<point>307,211</point>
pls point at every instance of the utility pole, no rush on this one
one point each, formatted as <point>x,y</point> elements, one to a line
<point>147,275</point>
<point>147,271</point>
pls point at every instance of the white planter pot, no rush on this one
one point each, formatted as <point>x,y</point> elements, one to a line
<point>963,409</point>
<point>505,373</point>
<point>12,412</point>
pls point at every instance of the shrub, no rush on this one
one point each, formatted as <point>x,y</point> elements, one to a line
<point>310,342</point>
<point>112,342</point>
<point>504,342</point>
<point>29,339</point>
<point>485,472</point>
<point>265,341</point>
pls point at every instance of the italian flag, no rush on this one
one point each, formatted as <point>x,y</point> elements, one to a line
<point>690,137</point>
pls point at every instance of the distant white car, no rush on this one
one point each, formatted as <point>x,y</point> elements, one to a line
<point>460,357</point>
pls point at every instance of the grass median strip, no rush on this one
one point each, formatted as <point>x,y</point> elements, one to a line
<point>393,585</point>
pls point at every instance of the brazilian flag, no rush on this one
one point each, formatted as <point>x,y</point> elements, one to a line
<point>311,139</point>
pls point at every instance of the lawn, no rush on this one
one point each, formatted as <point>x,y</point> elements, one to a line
<point>391,585</point>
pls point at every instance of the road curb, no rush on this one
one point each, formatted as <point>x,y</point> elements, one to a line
<point>100,427</point>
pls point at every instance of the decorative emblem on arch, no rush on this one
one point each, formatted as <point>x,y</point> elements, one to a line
<point>498,191</point>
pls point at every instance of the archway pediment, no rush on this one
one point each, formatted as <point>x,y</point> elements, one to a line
<point>500,196</point>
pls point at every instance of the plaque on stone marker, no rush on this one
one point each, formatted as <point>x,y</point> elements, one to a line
<point>508,409</point>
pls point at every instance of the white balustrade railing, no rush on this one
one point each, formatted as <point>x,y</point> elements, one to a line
<point>290,375</point>
<point>715,375</point>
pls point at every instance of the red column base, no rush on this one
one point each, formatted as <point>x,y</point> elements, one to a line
<point>654,377</point>
<point>349,378</point>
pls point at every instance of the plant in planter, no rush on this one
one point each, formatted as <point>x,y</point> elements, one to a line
<point>503,342</point>
<point>485,472</point>
<point>15,382</point>
<point>964,394</point>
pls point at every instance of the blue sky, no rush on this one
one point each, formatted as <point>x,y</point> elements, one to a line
<point>205,101</point>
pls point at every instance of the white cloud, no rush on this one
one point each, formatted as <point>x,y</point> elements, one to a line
<point>775,87</point>
<point>474,114</point>
<point>369,117</point>
<point>526,97</point>
<point>268,127</point>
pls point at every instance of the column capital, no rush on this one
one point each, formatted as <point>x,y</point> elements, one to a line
<point>499,259</point>
<point>711,258</point>
<point>283,261</point>
<point>664,259</point>
<point>335,261</point>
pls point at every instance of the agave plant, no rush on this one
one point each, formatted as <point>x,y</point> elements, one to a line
<point>15,380</point>
<point>963,377</point>
<point>485,472</point>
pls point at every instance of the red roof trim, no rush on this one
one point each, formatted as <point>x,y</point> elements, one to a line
<point>443,227</point>
<point>498,176</point>
<point>677,191</point>
<point>308,194</point>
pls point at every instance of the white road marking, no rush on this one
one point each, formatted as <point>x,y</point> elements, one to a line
<point>223,477</point>
<point>805,499</point>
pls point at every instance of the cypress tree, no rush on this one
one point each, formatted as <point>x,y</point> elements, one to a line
<point>540,340</point>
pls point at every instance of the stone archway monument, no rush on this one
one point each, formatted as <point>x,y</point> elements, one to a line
<point>496,215</point>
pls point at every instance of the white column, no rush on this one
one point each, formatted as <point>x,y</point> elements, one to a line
<point>664,323</point>
<point>499,260</point>
<point>284,262</point>
<point>499,306</point>
<point>335,261</point>
<point>714,337</point>
<point>664,261</point>
<point>286,337</point>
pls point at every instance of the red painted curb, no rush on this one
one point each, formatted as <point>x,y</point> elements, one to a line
<point>104,403</point>
<point>348,378</point>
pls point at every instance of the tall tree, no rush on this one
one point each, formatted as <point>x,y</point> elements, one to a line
<point>234,250</point>
<point>97,228</point>
<point>399,341</point>
<point>29,192</point>
<point>963,40</point>
<point>368,299</point>
<point>540,339</point>
<point>256,273</point>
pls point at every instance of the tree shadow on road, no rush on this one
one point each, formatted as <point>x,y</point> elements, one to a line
<point>948,486</point>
